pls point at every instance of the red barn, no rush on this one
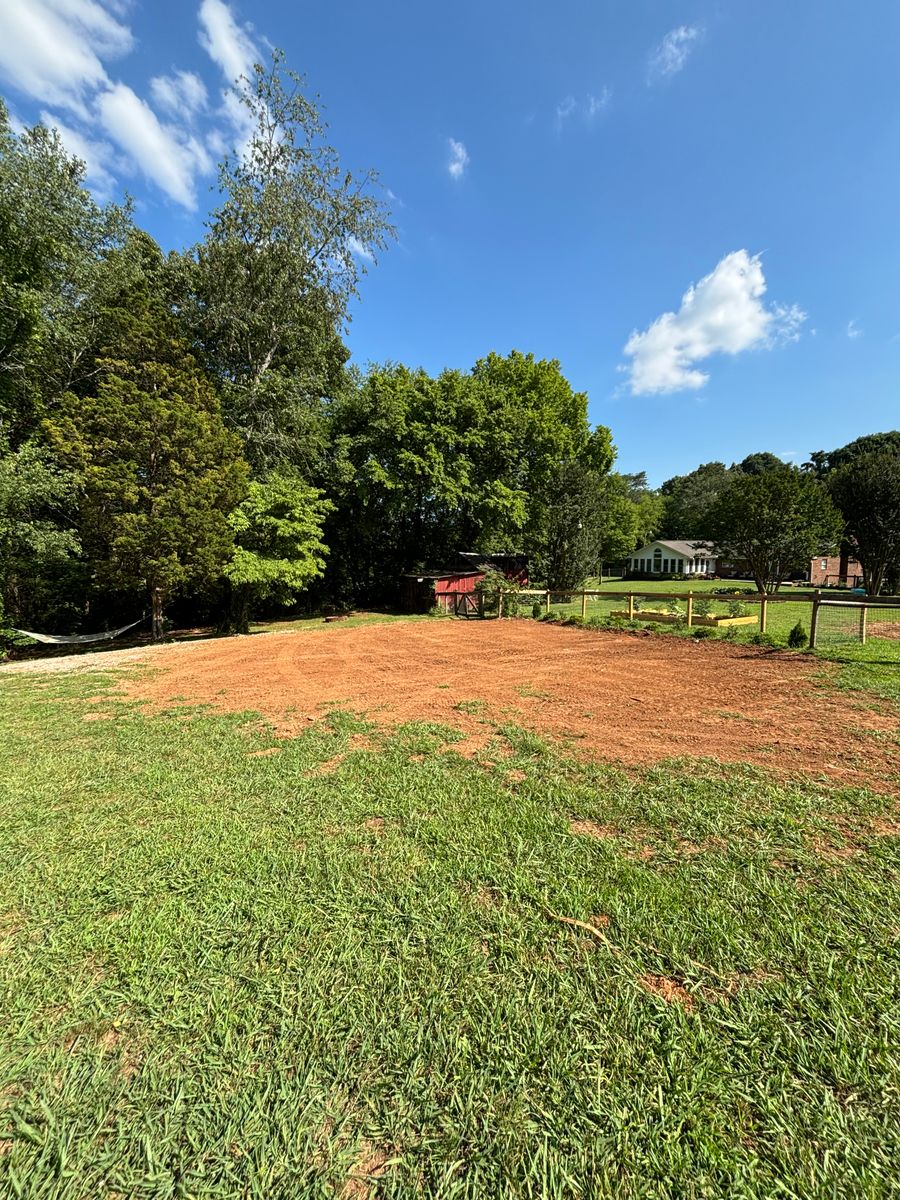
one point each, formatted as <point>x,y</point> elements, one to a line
<point>419,593</point>
<point>454,587</point>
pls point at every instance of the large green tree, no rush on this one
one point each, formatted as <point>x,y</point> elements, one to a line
<point>689,500</point>
<point>775,522</point>
<point>648,509</point>
<point>54,239</point>
<point>278,548</point>
<point>468,461</point>
<point>160,471</point>
<point>37,506</point>
<point>823,462</point>
<point>266,293</point>
<point>589,518</point>
<point>866,489</point>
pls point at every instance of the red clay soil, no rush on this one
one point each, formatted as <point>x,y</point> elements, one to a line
<point>627,699</point>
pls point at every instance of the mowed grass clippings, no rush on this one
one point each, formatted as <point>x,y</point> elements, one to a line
<point>345,965</point>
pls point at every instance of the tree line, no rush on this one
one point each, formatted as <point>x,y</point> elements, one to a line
<point>775,517</point>
<point>183,430</point>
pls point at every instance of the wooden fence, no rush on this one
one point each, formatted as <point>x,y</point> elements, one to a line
<point>815,598</point>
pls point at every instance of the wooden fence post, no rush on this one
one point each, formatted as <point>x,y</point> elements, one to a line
<point>763,612</point>
<point>690,609</point>
<point>863,624</point>
<point>500,605</point>
<point>547,601</point>
<point>631,606</point>
<point>583,605</point>
<point>814,620</point>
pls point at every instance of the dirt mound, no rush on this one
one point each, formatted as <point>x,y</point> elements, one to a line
<point>625,698</point>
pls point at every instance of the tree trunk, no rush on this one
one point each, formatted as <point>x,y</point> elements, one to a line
<point>156,614</point>
<point>236,617</point>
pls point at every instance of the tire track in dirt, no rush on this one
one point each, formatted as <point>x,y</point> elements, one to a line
<point>628,699</point>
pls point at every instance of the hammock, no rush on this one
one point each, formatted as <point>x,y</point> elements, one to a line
<point>74,639</point>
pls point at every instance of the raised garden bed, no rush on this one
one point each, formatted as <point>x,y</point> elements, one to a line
<point>667,618</point>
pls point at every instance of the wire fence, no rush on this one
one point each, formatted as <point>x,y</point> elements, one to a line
<point>849,622</point>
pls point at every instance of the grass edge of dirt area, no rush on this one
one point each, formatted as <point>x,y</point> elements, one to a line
<point>234,962</point>
<point>636,696</point>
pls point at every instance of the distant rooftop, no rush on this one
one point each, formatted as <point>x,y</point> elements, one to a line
<point>688,549</point>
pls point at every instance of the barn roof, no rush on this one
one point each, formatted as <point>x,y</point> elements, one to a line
<point>452,573</point>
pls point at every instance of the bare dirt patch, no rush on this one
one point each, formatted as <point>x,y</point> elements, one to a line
<point>591,829</point>
<point>669,990</point>
<point>626,699</point>
<point>370,1166</point>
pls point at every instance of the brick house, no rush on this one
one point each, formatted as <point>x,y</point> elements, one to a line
<point>835,570</point>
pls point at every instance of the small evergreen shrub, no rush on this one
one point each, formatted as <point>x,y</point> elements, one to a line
<point>703,631</point>
<point>798,637</point>
<point>537,610</point>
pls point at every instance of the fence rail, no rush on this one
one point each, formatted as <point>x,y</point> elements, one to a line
<point>816,599</point>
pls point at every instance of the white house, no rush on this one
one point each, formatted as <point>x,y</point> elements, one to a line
<point>672,558</point>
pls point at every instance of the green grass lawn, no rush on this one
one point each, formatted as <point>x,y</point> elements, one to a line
<point>232,966</point>
<point>315,621</point>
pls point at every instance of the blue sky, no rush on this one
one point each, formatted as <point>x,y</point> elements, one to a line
<point>692,205</point>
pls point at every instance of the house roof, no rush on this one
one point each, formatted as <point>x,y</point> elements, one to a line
<point>688,549</point>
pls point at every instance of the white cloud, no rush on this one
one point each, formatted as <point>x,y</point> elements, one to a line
<point>598,104</point>
<point>53,50</point>
<point>459,158</point>
<point>853,330</point>
<point>228,44</point>
<point>723,314</point>
<point>590,107</point>
<point>670,56</point>
<point>565,108</point>
<point>360,249</point>
<point>162,152</point>
<point>183,94</point>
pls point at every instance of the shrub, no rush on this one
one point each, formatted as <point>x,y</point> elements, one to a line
<point>703,607</point>
<point>737,609</point>
<point>798,637</point>
<point>703,631</point>
<point>537,610</point>
<point>763,639</point>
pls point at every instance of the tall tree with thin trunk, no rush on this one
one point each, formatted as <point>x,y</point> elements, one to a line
<point>267,292</point>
